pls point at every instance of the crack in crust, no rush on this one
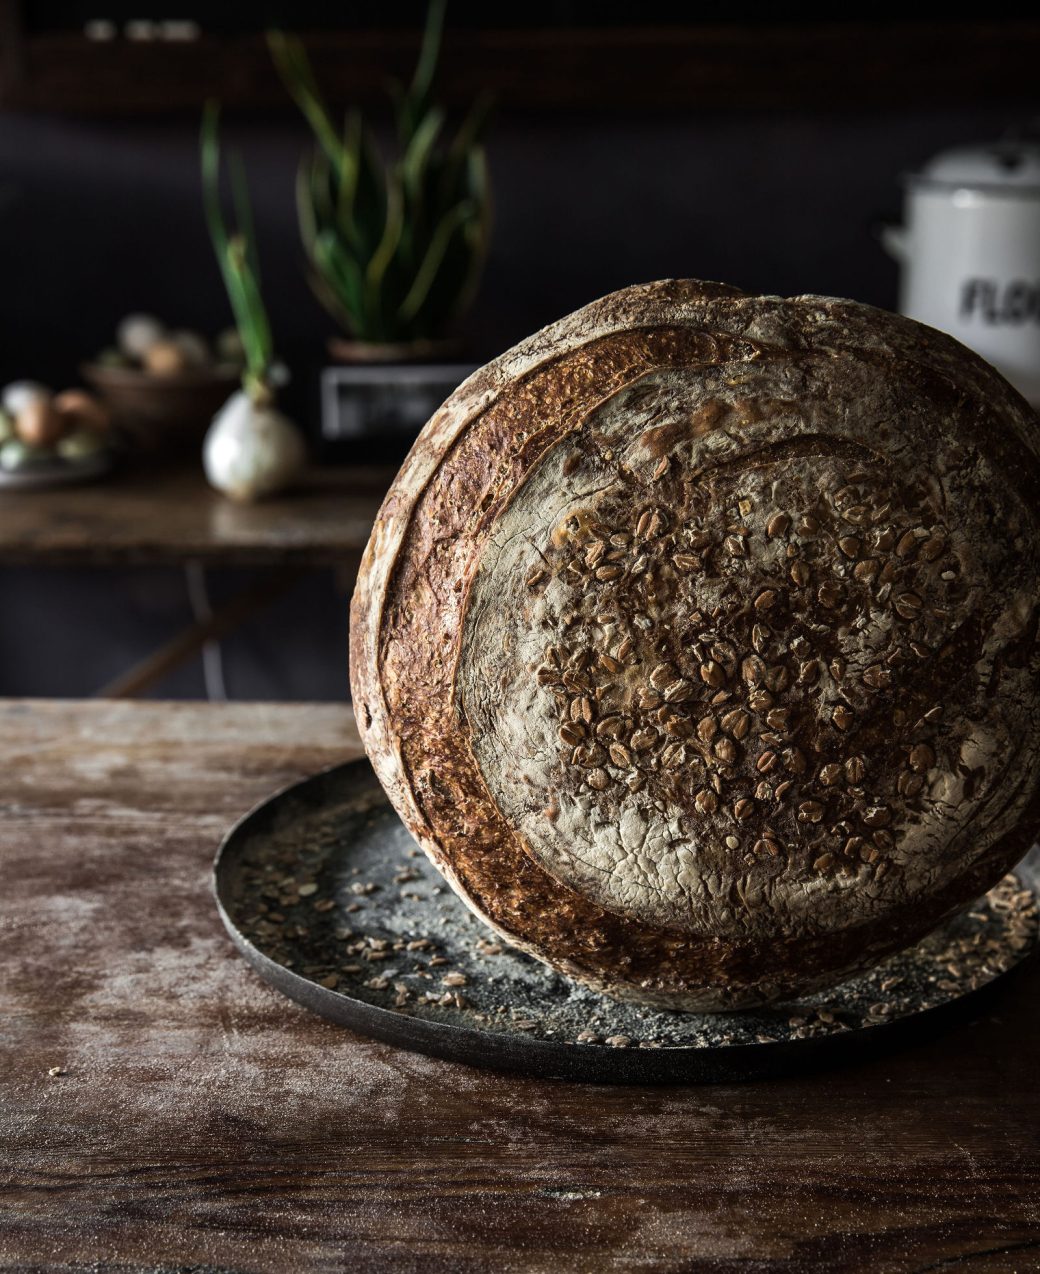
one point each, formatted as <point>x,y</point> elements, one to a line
<point>738,464</point>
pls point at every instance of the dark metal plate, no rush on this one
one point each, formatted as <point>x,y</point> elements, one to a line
<point>326,895</point>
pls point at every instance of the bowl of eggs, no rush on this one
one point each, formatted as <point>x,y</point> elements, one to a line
<point>48,439</point>
<point>164,386</point>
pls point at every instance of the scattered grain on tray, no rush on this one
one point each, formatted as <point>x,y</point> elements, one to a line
<point>515,993</point>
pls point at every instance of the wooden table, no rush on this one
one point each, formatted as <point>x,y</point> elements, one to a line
<point>163,516</point>
<point>167,516</point>
<point>161,1108</point>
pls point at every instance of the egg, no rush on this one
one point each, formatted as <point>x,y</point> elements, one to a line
<point>164,358</point>
<point>15,454</point>
<point>113,357</point>
<point>137,333</point>
<point>229,347</point>
<point>80,445</point>
<point>38,424</point>
<point>80,410</point>
<point>20,393</point>
<point>193,347</point>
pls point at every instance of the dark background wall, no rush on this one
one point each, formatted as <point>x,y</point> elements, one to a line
<point>100,218</point>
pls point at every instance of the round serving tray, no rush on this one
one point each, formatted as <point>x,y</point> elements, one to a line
<point>327,896</point>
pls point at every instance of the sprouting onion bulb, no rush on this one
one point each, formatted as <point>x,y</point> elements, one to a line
<point>251,449</point>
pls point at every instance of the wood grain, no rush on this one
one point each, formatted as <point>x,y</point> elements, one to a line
<point>163,516</point>
<point>203,1121</point>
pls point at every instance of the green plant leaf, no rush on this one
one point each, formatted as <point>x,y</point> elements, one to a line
<point>244,211</point>
<point>305,213</point>
<point>480,230</point>
<point>417,155</point>
<point>294,67</point>
<point>395,245</point>
<point>429,53</point>
<point>343,274</point>
<point>384,253</point>
<point>412,104</point>
<point>466,139</point>
<point>350,175</point>
<point>209,145</point>
<point>431,263</point>
<point>236,254</point>
<point>370,200</point>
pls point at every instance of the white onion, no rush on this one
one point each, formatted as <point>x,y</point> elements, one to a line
<point>251,449</point>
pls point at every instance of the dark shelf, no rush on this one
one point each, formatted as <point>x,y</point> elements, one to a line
<point>819,66</point>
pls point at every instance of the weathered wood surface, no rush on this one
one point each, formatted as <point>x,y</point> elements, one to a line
<point>164,515</point>
<point>204,1122</point>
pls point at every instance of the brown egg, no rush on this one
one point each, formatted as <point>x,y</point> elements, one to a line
<point>38,424</point>
<point>164,358</point>
<point>80,410</point>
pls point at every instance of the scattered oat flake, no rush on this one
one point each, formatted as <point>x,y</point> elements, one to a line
<point>305,891</point>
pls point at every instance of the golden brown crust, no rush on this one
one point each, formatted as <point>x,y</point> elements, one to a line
<point>444,549</point>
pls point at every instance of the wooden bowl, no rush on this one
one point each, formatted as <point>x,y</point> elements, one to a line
<point>164,414</point>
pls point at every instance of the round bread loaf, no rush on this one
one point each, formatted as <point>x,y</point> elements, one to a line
<point>697,640</point>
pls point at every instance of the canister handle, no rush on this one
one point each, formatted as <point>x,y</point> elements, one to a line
<point>893,238</point>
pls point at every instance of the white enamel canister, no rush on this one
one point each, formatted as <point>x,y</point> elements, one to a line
<point>970,254</point>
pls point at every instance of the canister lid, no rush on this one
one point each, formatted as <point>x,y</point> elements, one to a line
<point>1006,165</point>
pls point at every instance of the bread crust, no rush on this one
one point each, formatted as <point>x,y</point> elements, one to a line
<point>890,681</point>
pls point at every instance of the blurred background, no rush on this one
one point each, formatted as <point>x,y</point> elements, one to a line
<point>624,143</point>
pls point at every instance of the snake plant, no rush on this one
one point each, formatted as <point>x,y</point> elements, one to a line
<point>236,256</point>
<point>395,246</point>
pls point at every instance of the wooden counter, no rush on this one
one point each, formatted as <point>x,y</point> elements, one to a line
<point>161,1108</point>
<point>166,516</point>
